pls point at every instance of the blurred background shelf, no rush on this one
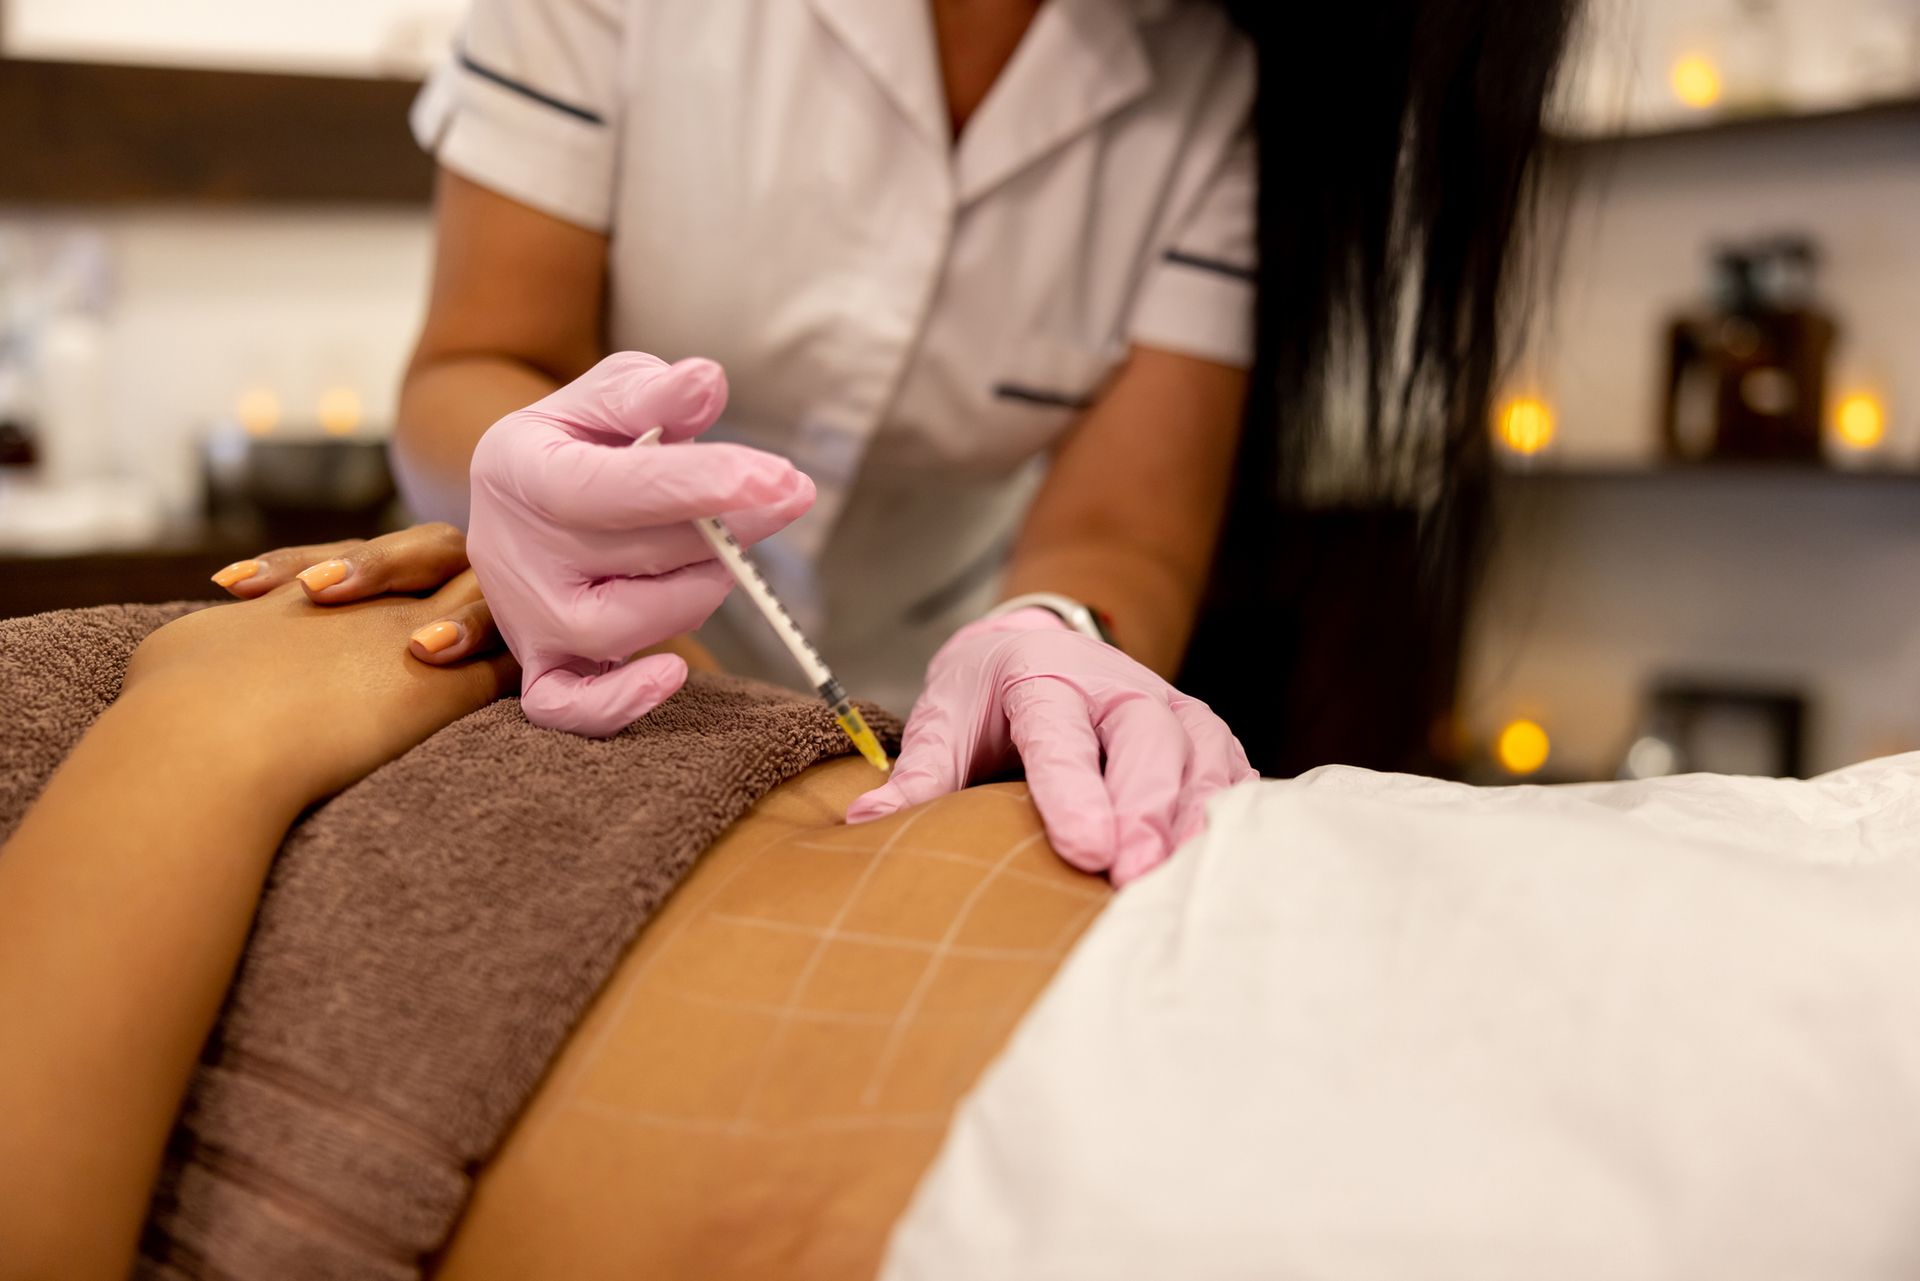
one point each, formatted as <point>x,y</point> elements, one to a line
<point>178,570</point>
<point>1656,472</point>
<point>85,134</point>
<point>1739,125</point>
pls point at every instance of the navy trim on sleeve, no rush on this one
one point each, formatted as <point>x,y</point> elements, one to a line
<point>1009,391</point>
<point>1210,264</point>
<point>528,91</point>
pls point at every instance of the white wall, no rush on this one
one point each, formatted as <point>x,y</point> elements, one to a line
<point>342,37</point>
<point>1600,585</point>
<point>207,304</point>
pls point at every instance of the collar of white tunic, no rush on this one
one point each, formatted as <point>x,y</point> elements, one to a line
<point>1080,61</point>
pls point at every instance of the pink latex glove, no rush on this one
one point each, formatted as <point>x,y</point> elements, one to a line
<point>581,541</point>
<point>1027,685</point>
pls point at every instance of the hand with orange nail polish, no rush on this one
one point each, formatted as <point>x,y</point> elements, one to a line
<point>420,558</point>
<point>328,573</point>
<point>349,685</point>
<point>238,572</point>
<point>436,637</point>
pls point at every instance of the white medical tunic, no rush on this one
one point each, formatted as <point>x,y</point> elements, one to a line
<point>912,320</point>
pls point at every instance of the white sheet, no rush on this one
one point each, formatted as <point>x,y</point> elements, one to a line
<point>1382,1027</point>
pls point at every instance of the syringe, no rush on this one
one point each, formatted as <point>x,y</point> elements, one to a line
<point>751,581</point>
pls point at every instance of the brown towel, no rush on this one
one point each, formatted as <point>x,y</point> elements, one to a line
<point>426,941</point>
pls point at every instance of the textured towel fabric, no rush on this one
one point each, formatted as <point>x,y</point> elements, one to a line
<point>426,940</point>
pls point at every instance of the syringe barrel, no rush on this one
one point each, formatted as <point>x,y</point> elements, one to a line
<point>748,575</point>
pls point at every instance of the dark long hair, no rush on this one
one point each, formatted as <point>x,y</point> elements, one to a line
<point>1397,143</point>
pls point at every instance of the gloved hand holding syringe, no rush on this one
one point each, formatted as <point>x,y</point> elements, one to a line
<point>755,585</point>
<point>590,552</point>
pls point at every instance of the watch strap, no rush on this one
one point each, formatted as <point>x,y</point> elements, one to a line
<point>1077,615</point>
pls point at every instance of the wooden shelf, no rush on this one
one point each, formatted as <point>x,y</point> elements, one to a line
<point>36,584</point>
<point>1657,471</point>
<point>1902,108</point>
<point>80,133</point>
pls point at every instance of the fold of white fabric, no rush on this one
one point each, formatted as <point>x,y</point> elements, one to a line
<point>1382,1027</point>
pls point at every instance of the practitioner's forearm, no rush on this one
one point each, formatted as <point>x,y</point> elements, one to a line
<point>516,310</point>
<point>1151,601</point>
<point>446,405</point>
<point>1130,512</point>
<point>125,899</point>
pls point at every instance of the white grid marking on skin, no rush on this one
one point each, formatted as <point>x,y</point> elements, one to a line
<point>1053,951</point>
<point>827,936</point>
<point>1012,873</point>
<point>775,1009</point>
<point>891,1049</point>
<point>790,1012</point>
<point>759,1129</point>
<point>944,855</point>
<point>563,1081</point>
<point>977,951</point>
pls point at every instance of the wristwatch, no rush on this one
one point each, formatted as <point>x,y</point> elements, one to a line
<point>1081,617</point>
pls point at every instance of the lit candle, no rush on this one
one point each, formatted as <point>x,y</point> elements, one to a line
<point>1696,81</point>
<point>1860,422</point>
<point>258,410</point>
<point>1522,748</point>
<point>1525,424</point>
<point>338,410</point>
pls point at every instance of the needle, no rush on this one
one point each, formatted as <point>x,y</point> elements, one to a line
<point>748,575</point>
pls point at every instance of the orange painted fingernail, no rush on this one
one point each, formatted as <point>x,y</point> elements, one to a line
<point>324,575</point>
<point>435,637</point>
<point>238,572</point>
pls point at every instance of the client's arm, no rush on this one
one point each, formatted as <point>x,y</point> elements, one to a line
<point>127,892</point>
